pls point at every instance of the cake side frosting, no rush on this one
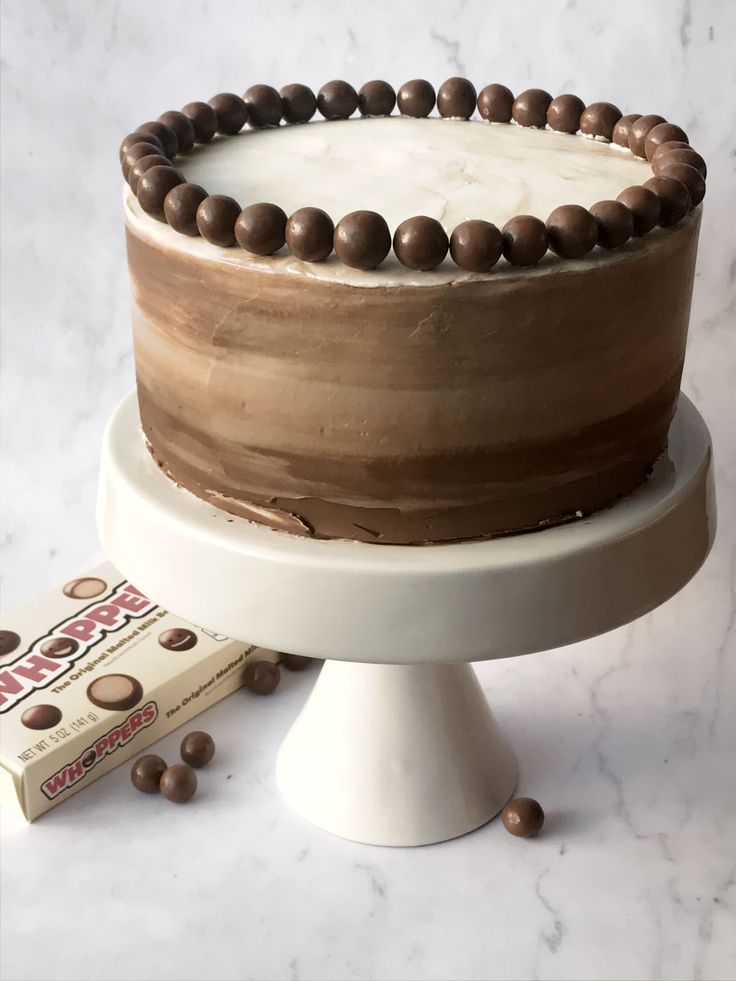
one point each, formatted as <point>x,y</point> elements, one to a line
<point>400,414</point>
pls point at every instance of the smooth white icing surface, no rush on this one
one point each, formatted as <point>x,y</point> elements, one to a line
<point>451,170</point>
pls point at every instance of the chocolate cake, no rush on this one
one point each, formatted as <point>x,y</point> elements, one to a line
<point>412,326</point>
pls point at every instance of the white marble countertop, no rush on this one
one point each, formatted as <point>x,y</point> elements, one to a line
<point>628,740</point>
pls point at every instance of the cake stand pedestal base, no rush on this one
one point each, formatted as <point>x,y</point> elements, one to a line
<point>396,754</point>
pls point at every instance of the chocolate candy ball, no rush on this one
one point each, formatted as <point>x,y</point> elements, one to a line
<point>362,239</point>
<point>178,783</point>
<point>153,186</point>
<point>621,130</point>
<point>261,677</point>
<point>132,138</point>
<point>85,588</point>
<point>662,133</point>
<point>261,228</point>
<point>530,108</point>
<point>115,692</point>
<point>615,223</point>
<point>309,234</point>
<point>640,130</point>
<point>145,774</point>
<point>337,100</point>
<point>524,240</point>
<point>60,647</point>
<point>572,231</point>
<point>142,165</point>
<point>523,817</point>
<point>165,134</point>
<point>564,112</point>
<point>495,103</point>
<point>182,126</point>
<point>295,662</point>
<point>674,199</point>
<point>678,154</point>
<point>476,245</point>
<point>644,207</point>
<point>40,717</point>
<point>599,118</point>
<point>264,105</point>
<point>180,210</point>
<point>298,103</point>
<point>197,749</point>
<point>666,147</point>
<point>689,176</point>
<point>177,638</point>
<point>456,98</point>
<point>203,119</point>
<point>415,98</point>
<point>376,98</point>
<point>135,153</point>
<point>9,641</point>
<point>420,243</point>
<point>231,112</point>
<point>216,217</point>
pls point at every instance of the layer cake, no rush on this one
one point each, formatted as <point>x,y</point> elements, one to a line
<point>513,361</point>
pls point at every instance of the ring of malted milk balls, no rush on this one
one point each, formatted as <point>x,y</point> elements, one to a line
<point>362,239</point>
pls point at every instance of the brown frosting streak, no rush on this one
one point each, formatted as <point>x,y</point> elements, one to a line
<point>409,414</point>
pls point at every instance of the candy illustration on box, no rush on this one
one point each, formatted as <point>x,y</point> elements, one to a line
<point>94,672</point>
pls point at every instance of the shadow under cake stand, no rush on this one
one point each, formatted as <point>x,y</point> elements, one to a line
<point>397,745</point>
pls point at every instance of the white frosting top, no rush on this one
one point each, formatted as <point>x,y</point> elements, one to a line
<point>451,170</point>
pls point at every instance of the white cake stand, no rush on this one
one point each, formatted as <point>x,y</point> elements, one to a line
<point>396,744</point>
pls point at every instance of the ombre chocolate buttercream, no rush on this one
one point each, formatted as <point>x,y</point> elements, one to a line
<point>407,414</point>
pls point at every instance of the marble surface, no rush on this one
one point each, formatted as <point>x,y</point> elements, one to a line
<point>628,739</point>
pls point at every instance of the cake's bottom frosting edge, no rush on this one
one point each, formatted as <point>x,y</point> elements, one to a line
<point>327,520</point>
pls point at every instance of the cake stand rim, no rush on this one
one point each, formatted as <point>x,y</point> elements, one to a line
<point>405,604</point>
<point>516,548</point>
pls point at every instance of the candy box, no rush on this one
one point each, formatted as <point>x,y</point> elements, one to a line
<point>91,674</point>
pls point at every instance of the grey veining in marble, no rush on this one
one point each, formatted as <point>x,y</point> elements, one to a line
<point>628,740</point>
